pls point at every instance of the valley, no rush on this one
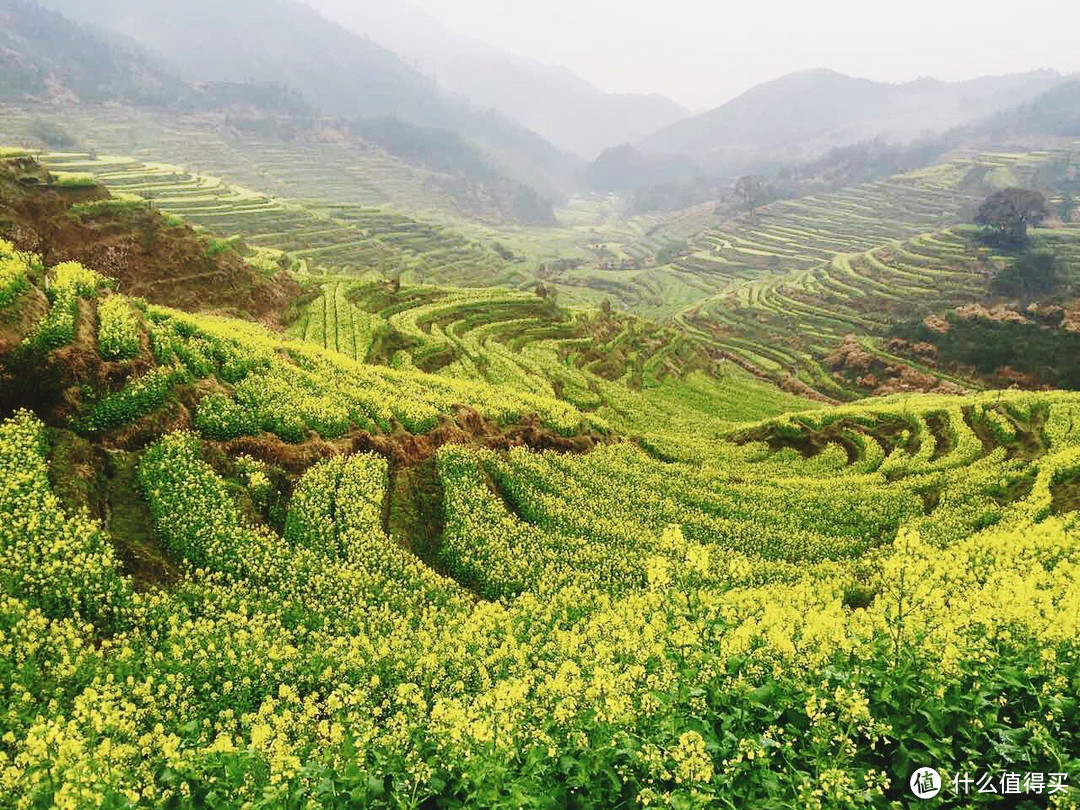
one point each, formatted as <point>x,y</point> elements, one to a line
<point>390,420</point>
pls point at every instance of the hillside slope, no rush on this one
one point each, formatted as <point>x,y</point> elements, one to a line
<point>279,575</point>
<point>806,286</point>
<point>340,73</point>
<point>69,218</point>
<point>1055,112</point>
<point>45,56</point>
<point>552,101</point>
<point>346,234</point>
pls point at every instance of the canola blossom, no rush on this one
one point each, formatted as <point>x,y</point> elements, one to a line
<point>118,330</point>
<point>790,612</point>
<point>66,284</point>
<point>14,268</point>
<point>684,662</point>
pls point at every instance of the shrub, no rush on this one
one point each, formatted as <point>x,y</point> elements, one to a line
<point>1037,272</point>
<point>137,399</point>
<point>216,247</point>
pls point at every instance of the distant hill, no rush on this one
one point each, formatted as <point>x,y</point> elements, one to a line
<point>804,114</point>
<point>651,182</point>
<point>44,56</point>
<point>340,73</point>
<point>553,101</point>
<point>1055,112</point>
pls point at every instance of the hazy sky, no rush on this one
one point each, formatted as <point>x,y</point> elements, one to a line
<point>703,53</point>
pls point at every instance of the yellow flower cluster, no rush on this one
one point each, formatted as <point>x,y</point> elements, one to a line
<point>65,285</point>
<point>118,329</point>
<point>762,625</point>
<point>14,267</point>
<point>63,566</point>
<point>692,761</point>
<point>291,388</point>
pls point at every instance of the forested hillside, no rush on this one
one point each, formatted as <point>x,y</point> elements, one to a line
<point>340,73</point>
<point>1051,113</point>
<point>803,114</point>
<point>43,55</point>
<point>550,100</point>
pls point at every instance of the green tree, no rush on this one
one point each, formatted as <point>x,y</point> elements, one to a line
<point>1035,273</point>
<point>1006,215</point>
<point>754,191</point>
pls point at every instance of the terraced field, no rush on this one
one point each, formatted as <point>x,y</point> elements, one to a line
<point>462,548</point>
<point>621,368</point>
<point>655,265</point>
<point>303,170</point>
<point>344,238</point>
<point>334,322</point>
<point>860,472</point>
<point>330,188</point>
<point>800,234</point>
<point>312,203</point>
<point>794,281</point>
<point>301,578</point>
<point>776,293</point>
<point>794,236</point>
<point>784,326</point>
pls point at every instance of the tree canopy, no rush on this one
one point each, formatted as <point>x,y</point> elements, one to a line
<point>1006,214</point>
<point>754,191</point>
<point>1036,273</point>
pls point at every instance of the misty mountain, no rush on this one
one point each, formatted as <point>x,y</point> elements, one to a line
<point>338,72</point>
<point>1056,112</point>
<point>651,182</point>
<point>804,114</point>
<point>45,57</point>
<point>552,101</point>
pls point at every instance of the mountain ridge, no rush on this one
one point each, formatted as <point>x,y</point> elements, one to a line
<point>340,73</point>
<point>809,111</point>
<point>552,100</point>
<point>46,56</point>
